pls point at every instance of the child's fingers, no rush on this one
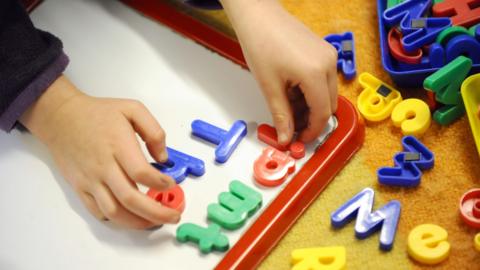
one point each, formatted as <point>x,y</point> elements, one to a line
<point>115,212</point>
<point>299,107</point>
<point>295,94</point>
<point>281,113</point>
<point>332,80</point>
<point>301,113</point>
<point>137,202</point>
<point>320,109</point>
<point>148,128</point>
<point>89,202</point>
<point>131,159</point>
<point>333,89</point>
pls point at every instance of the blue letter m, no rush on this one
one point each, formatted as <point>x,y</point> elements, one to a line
<point>367,223</point>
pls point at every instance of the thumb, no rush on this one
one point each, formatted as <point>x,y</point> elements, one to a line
<point>149,130</point>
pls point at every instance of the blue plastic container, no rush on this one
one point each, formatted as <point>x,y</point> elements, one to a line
<point>414,76</point>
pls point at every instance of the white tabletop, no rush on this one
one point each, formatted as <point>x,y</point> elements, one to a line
<point>116,52</point>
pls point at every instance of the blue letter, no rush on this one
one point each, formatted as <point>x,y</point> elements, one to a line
<point>409,164</point>
<point>417,31</point>
<point>226,141</point>
<point>367,222</point>
<point>179,165</point>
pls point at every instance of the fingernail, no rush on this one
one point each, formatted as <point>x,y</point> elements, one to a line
<point>176,219</point>
<point>155,227</point>
<point>163,156</point>
<point>170,183</point>
<point>166,185</point>
<point>283,138</point>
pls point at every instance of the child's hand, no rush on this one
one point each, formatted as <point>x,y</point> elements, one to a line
<point>94,144</point>
<point>295,68</point>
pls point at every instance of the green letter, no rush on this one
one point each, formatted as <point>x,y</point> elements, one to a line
<point>235,206</point>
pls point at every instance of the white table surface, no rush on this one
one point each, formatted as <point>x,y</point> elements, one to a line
<point>116,52</point>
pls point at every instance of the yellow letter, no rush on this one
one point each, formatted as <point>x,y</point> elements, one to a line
<point>427,243</point>
<point>413,116</point>
<point>322,258</point>
<point>477,241</point>
<point>378,99</point>
<point>471,98</point>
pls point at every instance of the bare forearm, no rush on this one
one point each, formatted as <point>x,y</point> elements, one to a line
<point>239,7</point>
<point>242,13</point>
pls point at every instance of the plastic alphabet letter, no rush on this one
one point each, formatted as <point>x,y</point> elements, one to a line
<point>272,167</point>
<point>173,198</point>
<point>377,100</point>
<point>368,222</point>
<point>476,241</point>
<point>226,141</point>
<point>436,56</point>
<point>475,31</point>
<point>432,100</point>
<point>179,165</point>
<point>392,3</point>
<point>345,45</point>
<point>407,172</point>
<point>470,208</point>
<point>397,50</point>
<point>235,206</point>
<point>445,83</point>
<point>297,150</point>
<point>471,99</point>
<point>450,33</point>
<point>413,116</point>
<point>319,258</point>
<point>208,239</point>
<point>463,45</point>
<point>268,135</point>
<point>447,114</point>
<point>462,12</point>
<point>427,243</point>
<point>417,30</point>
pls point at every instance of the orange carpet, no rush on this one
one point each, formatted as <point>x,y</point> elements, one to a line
<point>457,164</point>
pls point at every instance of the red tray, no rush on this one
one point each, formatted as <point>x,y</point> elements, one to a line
<point>262,236</point>
<point>190,27</point>
<point>300,192</point>
<point>31,4</point>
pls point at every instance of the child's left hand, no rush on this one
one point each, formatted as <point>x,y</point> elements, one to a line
<point>295,68</point>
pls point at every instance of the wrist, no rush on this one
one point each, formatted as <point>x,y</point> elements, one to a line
<point>241,11</point>
<point>39,116</point>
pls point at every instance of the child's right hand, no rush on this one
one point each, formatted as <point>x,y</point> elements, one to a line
<point>294,67</point>
<point>93,142</point>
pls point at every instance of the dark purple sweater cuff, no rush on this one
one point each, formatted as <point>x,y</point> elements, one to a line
<point>32,92</point>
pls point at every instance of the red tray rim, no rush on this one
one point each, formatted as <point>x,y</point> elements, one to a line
<point>269,228</point>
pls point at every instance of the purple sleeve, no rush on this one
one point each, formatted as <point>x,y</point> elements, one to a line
<point>32,91</point>
<point>205,4</point>
<point>30,60</point>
